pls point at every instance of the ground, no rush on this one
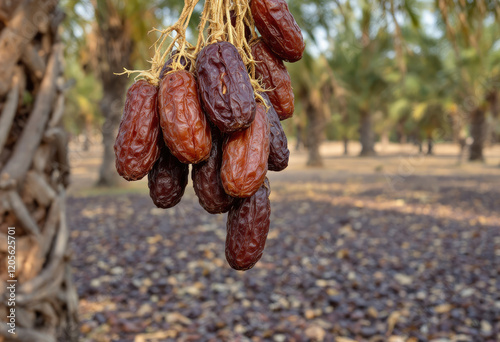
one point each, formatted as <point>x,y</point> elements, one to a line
<point>399,247</point>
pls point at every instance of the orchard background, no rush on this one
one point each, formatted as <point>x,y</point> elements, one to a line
<point>384,227</point>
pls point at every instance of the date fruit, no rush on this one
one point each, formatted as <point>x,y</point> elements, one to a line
<point>167,180</point>
<point>186,130</point>
<point>244,157</point>
<point>274,77</point>
<point>278,144</point>
<point>136,146</point>
<point>278,28</point>
<point>247,228</point>
<point>225,88</point>
<point>207,181</point>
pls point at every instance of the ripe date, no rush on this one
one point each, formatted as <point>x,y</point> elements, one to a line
<point>247,228</point>
<point>278,28</point>
<point>185,128</point>
<point>225,88</point>
<point>136,146</point>
<point>207,181</point>
<point>278,144</point>
<point>244,157</point>
<point>167,180</point>
<point>274,77</point>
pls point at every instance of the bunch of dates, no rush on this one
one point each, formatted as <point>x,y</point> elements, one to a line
<point>207,115</point>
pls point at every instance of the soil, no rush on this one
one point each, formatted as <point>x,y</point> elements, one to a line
<point>398,247</point>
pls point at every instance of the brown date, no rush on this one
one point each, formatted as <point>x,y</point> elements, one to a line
<point>207,181</point>
<point>136,146</point>
<point>247,228</point>
<point>274,77</point>
<point>278,28</point>
<point>167,180</point>
<point>186,130</point>
<point>225,88</point>
<point>278,143</point>
<point>244,157</point>
<point>167,66</point>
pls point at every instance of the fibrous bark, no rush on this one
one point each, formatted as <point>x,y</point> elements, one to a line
<point>34,173</point>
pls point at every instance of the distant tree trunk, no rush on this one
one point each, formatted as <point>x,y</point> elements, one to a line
<point>366,135</point>
<point>314,135</point>
<point>113,46</point>
<point>462,142</point>
<point>86,137</point>
<point>111,104</point>
<point>300,133</point>
<point>477,131</point>
<point>34,174</point>
<point>401,133</point>
<point>346,146</point>
<point>430,147</point>
<point>494,105</point>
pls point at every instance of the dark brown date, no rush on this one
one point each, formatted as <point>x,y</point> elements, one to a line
<point>244,157</point>
<point>274,77</point>
<point>247,228</point>
<point>167,66</point>
<point>225,88</point>
<point>278,28</point>
<point>186,130</point>
<point>278,143</point>
<point>136,145</point>
<point>167,180</point>
<point>207,181</point>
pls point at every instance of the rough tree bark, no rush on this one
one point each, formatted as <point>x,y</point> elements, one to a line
<point>477,132</point>
<point>34,173</point>
<point>366,136</point>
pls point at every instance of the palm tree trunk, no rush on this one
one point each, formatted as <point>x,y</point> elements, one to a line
<point>430,146</point>
<point>477,131</point>
<point>346,146</point>
<point>115,45</point>
<point>111,104</point>
<point>34,175</point>
<point>366,135</point>
<point>494,105</point>
<point>314,136</point>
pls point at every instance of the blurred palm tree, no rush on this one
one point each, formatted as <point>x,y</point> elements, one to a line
<point>424,100</point>
<point>473,31</point>
<point>365,44</point>
<point>313,87</point>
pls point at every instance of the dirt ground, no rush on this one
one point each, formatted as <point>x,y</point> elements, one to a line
<point>399,247</point>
